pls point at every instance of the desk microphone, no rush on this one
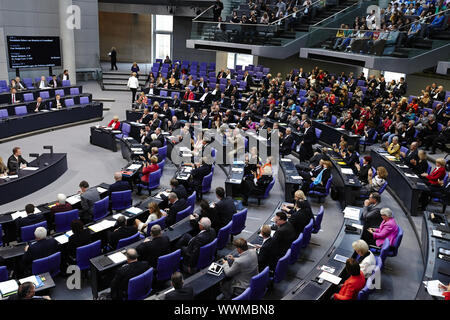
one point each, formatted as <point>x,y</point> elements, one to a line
<point>45,164</point>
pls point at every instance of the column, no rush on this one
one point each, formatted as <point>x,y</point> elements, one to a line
<point>67,40</point>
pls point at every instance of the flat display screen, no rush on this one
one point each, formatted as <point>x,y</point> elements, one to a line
<point>33,52</point>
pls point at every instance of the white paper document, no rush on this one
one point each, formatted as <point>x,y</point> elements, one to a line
<point>357,226</point>
<point>184,149</point>
<point>8,287</point>
<point>74,199</point>
<point>62,239</point>
<point>340,258</point>
<point>433,288</point>
<point>411,175</point>
<point>30,168</point>
<point>134,166</point>
<point>117,257</point>
<point>285,160</point>
<point>101,190</point>
<point>346,171</point>
<point>235,180</point>
<point>29,279</point>
<point>237,169</point>
<point>351,213</point>
<point>116,131</point>
<point>18,214</point>
<point>297,177</point>
<point>116,216</point>
<point>330,277</point>
<point>134,210</point>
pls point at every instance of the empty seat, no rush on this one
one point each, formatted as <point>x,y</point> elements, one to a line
<point>28,97</point>
<point>69,103</point>
<point>74,91</point>
<point>21,110</point>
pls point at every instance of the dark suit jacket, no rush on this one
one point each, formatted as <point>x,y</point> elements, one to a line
<point>308,140</point>
<point>199,173</point>
<point>119,284</point>
<point>150,251</point>
<point>78,240</point>
<point>178,206</point>
<point>286,145</point>
<point>118,186</point>
<point>185,293</point>
<point>120,233</point>
<point>42,106</point>
<point>267,255</point>
<point>181,192</point>
<point>14,164</point>
<point>283,238</point>
<point>302,217</point>
<point>225,210</point>
<point>193,248</point>
<point>39,249</point>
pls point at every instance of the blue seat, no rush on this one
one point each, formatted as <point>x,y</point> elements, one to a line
<point>161,165</point>
<point>266,193</point>
<point>101,208</point>
<point>64,219</point>
<point>182,214</point>
<point>21,110</point>
<point>69,103</point>
<point>126,128</point>
<point>244,295</point>
<point>319,194</point>
<point>282,267</point>
<point>154,179</point>
<point>74,91</point>
<point>296,248</point>
<point>258,284</point>
<point>127,241</point>
<point>206,254</point>
<point>161,222</point>
<point>87,252</point>
<point>3,113</point>
<point>190,201</point>
<point>49,264</point>
<point>140,286</point>
<point>307,233</point>
<point>121,200</point>
<point>364,292</point>
<point>28,97</point>
<point>60,92</point>
<point>44,94</point>
<point>66,83</point>
<point>318,221</point>
<point>382,252</point>
<point>27,232</point>
<point>223,235</point>
<point>84,100</point>
<point>370,142</point>
<point>3,273</point>
<point>163,93</point>
<point>167,265</point>
<point>403,149</point>
<point>206,184</point>
<point>238,222</point>
<point>333,120</point>
<point>162,152</point>
<point>318,133</point>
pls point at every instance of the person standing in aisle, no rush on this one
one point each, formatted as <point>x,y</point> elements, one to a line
<point>113,55</point>
<point>133,84</point>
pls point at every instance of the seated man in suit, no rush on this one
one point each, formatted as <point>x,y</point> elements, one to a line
<point>43,247</point>
<point>285,234</point>
<point>15,161</point>
<point>40,105</point>
<point>88,197</point>
<point>31,218</point>
<point>175,205</point>
<point>200,171</point>
<point>267,251</point>
<point>180,292</point>
<point>176,187</point>
<point>55,83</point>
<point>146,117</point>
<point>133,268</point>
<point>154,122</point>
<point>301,215</point>
<point>190,246</point>
<point>119,184</point>
<point>240,270</point>
<point>121,230</point>
<point>225,207</point>
<point>256,186</point>
<point>42,84</point>
<point>79,238</point>
<point>58,103</point>
<point>370,214</point>
<point>20,85</point>
<point>151,249</point>
<point>14,97</point>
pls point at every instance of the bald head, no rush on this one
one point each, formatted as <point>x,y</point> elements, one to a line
<point>117,176</point>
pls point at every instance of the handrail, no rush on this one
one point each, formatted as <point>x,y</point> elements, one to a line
<point>203,12</point>
<point>356,3</point>
<point>299,11</point>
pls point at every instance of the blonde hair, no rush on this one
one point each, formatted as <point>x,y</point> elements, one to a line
<point>299,194</point>
<point>154,159</point>
<point>361,246</point>
<point>441,161</point>
<point>382,172</point>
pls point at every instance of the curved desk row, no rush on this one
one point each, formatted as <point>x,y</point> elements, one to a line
<point>5,97</point>
<point>28,123</point>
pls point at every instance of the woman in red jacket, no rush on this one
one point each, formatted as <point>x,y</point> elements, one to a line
<point>351,287</point>
<point>115,124</point>
<point>437,174</point>
<point>149,168</point>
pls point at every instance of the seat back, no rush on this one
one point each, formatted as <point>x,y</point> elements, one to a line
<point>87,252</point>
<point>101,208</point>
<point>44,94</point>
<point>163,93</point>
<point>223,235</point>
<point>21,110</point>
<point>27,232</point>
<point>74,91</point>
<point>383,187</point>
<point>296,248</point>
<point>403,149</point>
<point>258,284</point>
<point>66,83</point>
<point>307,233</point>
<point>1,236</point>
<point>167,265</point>
<point>3,113</point>
<point>154,179</point>
<point>282,267</point>
<point>364,292</point>
<point>191,199</point>
<point>206,183</point>
<point>244,295</point>
<point>384,250</point>
<point>161,165</point>
<point>84,100</point>
<point>64,219</point>
<point>206,254</point>
<point>238,222</point>
<point>161,222</point>
<point>183,214</point>
<point>126,241</point>
<point>28,97</point>
<point>3,273</point>
<point>140,286</point>
<point>318,220</point>
<point>269,187</point>
<point>121,200</point>
<point>69,102</point>
<point>398,240</point>
<point>162,152</point>
<point>318,133</point>
<point>60,92</point>
<point>126,128</point>
<point>49,264</point>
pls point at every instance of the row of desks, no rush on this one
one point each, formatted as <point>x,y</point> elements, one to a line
<point>5,97</point>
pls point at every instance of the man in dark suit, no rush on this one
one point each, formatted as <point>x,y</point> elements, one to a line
<point>286,143</point>
<point>39,105</point>
<point>121,230</point>
<point>43,247</point>
<point>267,251</point>
<point>177,188</point>
<point>15,161</point>
<point>198,173</point>
<point>14,97</point>
<point>190,246</point>
<point>119,184</point>
<point>155,122</point>
<point>146,117</point>
<point>285,234</point>
<point>301,216</point>
<point>206,97</point>
<point>151,249</point>
<point>174,124</point>
<point>180,292</point>
<point>20,85</point>
<point>411,157</point>
<point>309,138</point>
<point>54,83</point>
<point>133,268</point>
<point>370,214</point>
<point>58,103</point>
<point>175,205</point>
<point>225,207</point>
<point>31,218</point>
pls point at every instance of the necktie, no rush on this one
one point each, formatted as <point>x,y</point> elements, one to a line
<point>13,98</point>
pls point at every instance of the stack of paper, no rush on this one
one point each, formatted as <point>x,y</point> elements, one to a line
<point>162,193</point>
<point>116,131</point>
<point>32,279</point>
<point>340,258</point>
<point>101,190</point>
<point>13,176</point>
<point>30,168</point>
<point>330,277</point>
<point>296,177</point>
<point>411,175</point>
<point>185,149</point>
<point>237,169</point>
<point>18,214</point>
<point>351,213</point>
<point>134,210</point>
<point>346,171</point>
<point>117,257</point>
<point>116,216</point>
<point>134,166</point>
<point>105,224</point>
<point>235,180</point>
<point>187,169</point>
<point>285,160</point>
<point>62,239</point>
<point>73,199</point>
<point>433,288</point>
<point>8,287</point>
<point>357,226</point>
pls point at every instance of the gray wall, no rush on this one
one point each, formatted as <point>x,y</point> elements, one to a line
<point>182,31</point>
<point>41,18</point>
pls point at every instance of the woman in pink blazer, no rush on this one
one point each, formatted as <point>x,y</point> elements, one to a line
<point>388,228</point>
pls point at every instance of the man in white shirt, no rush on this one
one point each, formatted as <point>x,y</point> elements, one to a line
<point>14,96</point>
<point>133,84</point>
<point>43,83</point>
